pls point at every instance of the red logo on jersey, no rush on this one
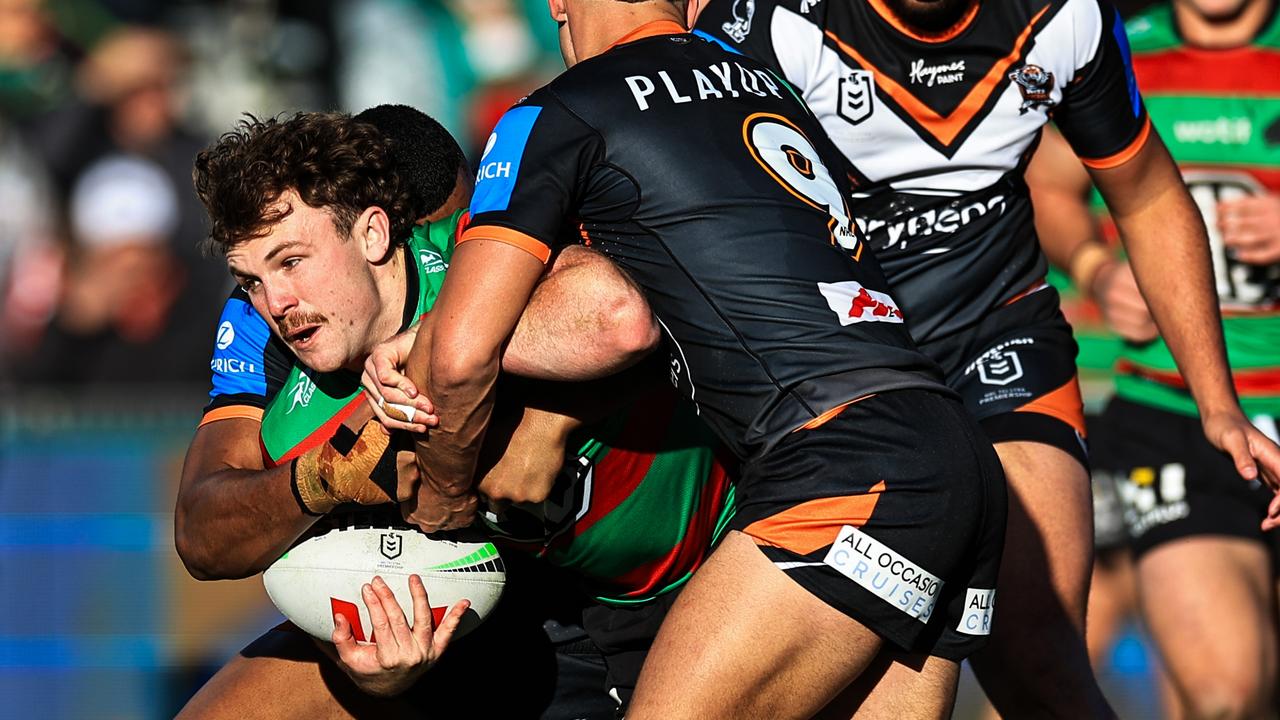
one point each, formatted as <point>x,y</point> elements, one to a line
<point>853,303</point>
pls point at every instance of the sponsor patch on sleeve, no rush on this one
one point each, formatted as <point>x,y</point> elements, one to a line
<point>496,178</point>
<point>239,346</point>
<point>883,572</point>
<point>853,303</point>
<point>978,605</point>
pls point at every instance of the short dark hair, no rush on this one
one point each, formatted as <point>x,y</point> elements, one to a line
<point>330,159</point>
<point>427,157</point>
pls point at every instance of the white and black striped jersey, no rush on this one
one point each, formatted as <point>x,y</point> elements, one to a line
<point>938,129</point>
<point>693,169</point>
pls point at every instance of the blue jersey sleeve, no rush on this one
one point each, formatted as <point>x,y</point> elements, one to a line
<point>243,366</point>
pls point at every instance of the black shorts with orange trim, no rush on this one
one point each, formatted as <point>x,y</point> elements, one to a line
<point>1174,484</point>
<point>892,512</point>
<point>1016,372</point>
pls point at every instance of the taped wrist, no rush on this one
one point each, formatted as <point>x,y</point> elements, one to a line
<point>1085,263</point>
<point>347,468</point>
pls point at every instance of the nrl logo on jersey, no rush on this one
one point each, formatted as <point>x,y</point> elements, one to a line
<point>857,93</point>
<point>1036,85</point>
<point>301,393</point>
<point>931,75</point>
<point>432,262</point>
<point>740,27</point>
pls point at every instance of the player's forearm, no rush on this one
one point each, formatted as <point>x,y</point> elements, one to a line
<point>1168,249</point>
<point>1060,197</point>
<point>234,523</point>
<point>461,383</point>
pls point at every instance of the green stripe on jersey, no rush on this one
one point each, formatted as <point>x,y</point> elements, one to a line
<point>1226,143</point>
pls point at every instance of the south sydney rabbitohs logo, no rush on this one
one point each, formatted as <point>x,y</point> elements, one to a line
<point>857,94</point>
<point>1036,85</point>
<point>740,27</point>
<point>391,545</point>
<point>301,393</point>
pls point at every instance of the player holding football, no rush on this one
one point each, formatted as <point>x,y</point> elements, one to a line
<point>1210,74</point>
<point>938,105</point>
<point>270,409</point>
<point>703,177</point>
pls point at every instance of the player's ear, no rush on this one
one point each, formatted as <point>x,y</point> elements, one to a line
<point>373,231</point>
<point>692,9</point>
<point>558,11</point>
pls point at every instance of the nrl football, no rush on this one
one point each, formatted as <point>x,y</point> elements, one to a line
<point>321,577</point>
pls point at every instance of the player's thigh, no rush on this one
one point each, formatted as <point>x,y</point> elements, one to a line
<point>283,675</point>
<point>1016,374</point>
<point>1209,603</point>
<point>1205,570</point>
<point>1049,546</point>
<point>898,685</point>
<point>846,530</point>
<point>741,638</point>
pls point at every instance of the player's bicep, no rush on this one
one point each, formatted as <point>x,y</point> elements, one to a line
<point>240,366</point>
<point>1101,114</point>
<point>487,288</point>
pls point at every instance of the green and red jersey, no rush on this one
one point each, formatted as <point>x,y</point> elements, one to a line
<point>1219,113</point>
<point>637,509</point>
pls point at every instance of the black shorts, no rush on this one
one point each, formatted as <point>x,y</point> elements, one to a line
<point>1105,472</point>
<point>1016,372</point>
<point>623,635</point>
<point>1176,485</point>
<point>893,512</point>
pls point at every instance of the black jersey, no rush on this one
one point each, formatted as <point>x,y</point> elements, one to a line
<point>939,129</point>
<point>700,173</point>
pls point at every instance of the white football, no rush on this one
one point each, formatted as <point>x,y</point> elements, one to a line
<point>322,576</point>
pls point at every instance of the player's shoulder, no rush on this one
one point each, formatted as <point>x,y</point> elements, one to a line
<point>1153,30</point>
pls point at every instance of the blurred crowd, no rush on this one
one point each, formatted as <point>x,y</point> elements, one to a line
<point>104,104</point>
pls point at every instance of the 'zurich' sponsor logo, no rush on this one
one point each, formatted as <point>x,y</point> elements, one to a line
<point>500,164</point>
<point>226,335</point>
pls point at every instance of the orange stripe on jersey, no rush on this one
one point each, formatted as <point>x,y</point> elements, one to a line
<point>946,128</point>
<point>248,412</point>
<point>1034,287</point>
<point>826,417</point>
<point>1125,155</point>
<point>507,236</point>
<point>1064,404</point>
<point>883,11</point>
<point>814,524</point>
<point>650,29</point>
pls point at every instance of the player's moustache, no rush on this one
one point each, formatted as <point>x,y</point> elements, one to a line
<point>290,323</point>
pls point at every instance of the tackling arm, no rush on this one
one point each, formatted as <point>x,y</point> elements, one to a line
<point>586,320</point>
<point>233,518</point>
<point>1168,249</point>
<point>1070,238</point>
<point>455,359</point>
